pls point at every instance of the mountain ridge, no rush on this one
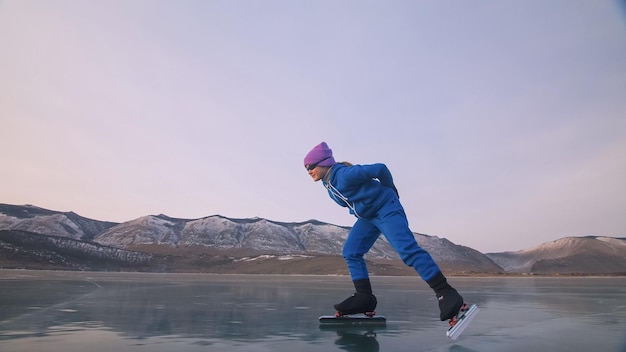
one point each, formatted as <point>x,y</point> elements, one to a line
<point>575,253</point>
<point>218,243</point>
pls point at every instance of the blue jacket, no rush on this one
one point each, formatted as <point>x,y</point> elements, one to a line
<point>365,189</point>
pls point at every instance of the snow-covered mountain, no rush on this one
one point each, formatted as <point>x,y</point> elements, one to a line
<point>22,249</point>
<point>48,222</point>
<point>582,255</point>
<point>221,233</point>
<point>224,233</point>
<point>163,235</point>
<point>268,236</point>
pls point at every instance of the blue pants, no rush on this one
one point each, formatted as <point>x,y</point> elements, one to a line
<point>392,222</point>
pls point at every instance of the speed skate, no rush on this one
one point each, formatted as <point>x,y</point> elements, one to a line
<point>459,322</point>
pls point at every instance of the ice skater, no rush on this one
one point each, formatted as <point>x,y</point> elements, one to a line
<point>370,194</point>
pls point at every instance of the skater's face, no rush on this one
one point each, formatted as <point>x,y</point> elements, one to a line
<point>317,172</point>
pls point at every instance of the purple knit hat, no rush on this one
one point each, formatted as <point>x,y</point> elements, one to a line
<point>320,152</point>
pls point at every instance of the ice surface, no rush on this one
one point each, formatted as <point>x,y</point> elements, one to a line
<point>83,311</point>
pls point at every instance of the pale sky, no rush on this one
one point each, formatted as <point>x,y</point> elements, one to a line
<point>503,122</point>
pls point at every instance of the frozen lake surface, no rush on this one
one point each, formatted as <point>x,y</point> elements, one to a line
<point>87,311</point>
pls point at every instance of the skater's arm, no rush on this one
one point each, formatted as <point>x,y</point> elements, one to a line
<point>364,173</point>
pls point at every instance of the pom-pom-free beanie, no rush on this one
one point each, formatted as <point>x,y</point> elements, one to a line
<point>320,152</point>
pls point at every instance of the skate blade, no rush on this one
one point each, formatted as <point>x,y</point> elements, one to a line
<point>352,320</point>
<point>456,331</point>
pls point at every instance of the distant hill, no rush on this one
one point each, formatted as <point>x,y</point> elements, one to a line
<point>48,222</point>
<point>570,255</point>
<point>223,245</point>
<point>21,249</point>
<point>219,244</point>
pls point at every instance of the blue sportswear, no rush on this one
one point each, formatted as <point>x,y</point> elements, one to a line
<point>370,194</point>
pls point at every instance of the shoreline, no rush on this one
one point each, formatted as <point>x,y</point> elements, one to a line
<point>191,273</point>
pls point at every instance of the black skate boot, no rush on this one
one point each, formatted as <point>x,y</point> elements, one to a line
<point>450,301</point>
<point>362,301</point>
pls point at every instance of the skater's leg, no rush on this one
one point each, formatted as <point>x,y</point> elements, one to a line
<point>359,241</point>
<point>394,225</point>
